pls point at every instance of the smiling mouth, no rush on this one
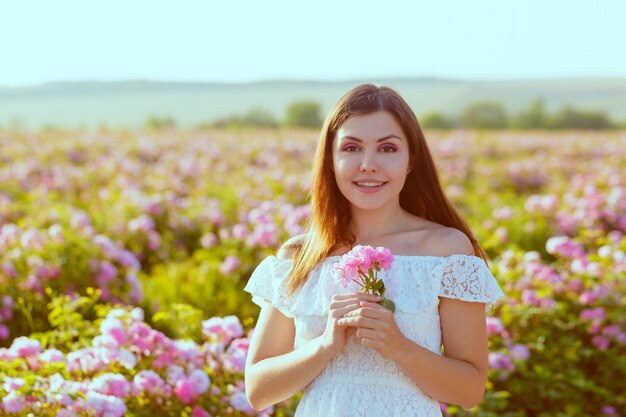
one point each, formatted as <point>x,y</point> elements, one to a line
<point>369,185</point>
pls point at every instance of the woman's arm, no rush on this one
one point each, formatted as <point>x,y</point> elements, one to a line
<point>274,370</point>
<point>460,376</point>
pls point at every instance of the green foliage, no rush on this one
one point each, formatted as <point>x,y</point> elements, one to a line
<point>183,289</point>
<point>533,117</point>
<point>303,114</point>
<point>491,115</point>
<point>435,120</point>
<point>570,118</point>
<point>484,115</point>
<point>160,122</point>
<point>73,321</point>
<point>256,117</point>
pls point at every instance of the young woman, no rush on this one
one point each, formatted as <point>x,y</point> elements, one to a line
<point>375,183</point>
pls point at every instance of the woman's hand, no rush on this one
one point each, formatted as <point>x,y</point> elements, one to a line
<point>335,336</point>
<point>376,328</point>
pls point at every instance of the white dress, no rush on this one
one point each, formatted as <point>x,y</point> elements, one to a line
<point>359,381</point>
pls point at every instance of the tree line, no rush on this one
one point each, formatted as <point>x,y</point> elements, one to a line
<point>477,115</point>
<point>492,115</point>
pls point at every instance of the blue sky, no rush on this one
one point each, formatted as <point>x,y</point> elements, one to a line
<point>233,41</point>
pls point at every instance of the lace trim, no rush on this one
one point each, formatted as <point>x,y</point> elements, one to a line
<point>268,283</point>
<point>467,278</point>
<point>414,282</point>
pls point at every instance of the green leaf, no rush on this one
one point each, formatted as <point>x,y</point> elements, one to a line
<point>388,304</point>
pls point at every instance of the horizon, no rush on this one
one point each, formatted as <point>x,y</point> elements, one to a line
<point>306,80</point>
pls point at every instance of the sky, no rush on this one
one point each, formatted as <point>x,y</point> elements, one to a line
<point>244,41</point>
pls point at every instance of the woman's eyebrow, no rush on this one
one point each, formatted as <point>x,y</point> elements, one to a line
<point>378,140</point>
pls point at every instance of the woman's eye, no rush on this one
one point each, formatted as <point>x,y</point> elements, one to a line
<point>385,148</point>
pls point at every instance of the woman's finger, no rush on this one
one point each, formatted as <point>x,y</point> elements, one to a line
<point>355,295</point>
<point>359,321</point>
<point>376,313</point>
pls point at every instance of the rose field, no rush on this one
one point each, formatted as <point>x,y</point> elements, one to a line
<point>124,253</point>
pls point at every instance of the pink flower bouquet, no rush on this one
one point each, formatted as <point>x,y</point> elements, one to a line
<point>362,265</point>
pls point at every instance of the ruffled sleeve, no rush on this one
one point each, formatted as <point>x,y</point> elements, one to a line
<point>467,278</point>
<point>268,283</point>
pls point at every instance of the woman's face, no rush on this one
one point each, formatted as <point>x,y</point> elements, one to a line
<point>371,160</point>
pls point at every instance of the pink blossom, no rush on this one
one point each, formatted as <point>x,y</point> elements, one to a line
<point>136,290</point>
<point>8,268</point>
<point>13,384</point>
<point>230,265</point>
<point>601,342</point>
<point>239,402</point>
<point>199,412</point>
<point>128,260</point>
<point>222,329</point>
<point>186,350</point>
<point>500,361</point>
<point>111,384</point>
<point>541,203</point>
<point>564,246</point>
<point>575,284</point>
<point>143,223</point>
<point>609,410</point>
<point>208,240</point>
<point>520,351</point>
<point>593,314</point>
<point>125,357</point>
<point>503,213</point>
<point>530,297</point>
<point>24,346</point>
<point>235,359</point>
<point>56,233</point>
<point>174,374</point>
<point>80,220</point>
<point>547,302</point>
<point>9,234</point>
<point>105,405</point>
<point>107,273</point>
<point>154,240</point>
<point>612,330</point>
<point>4,332</point>
<point>185,391</point>
<point>105,244</point>
<point>13,402</point>
<point>200,381</point>
<point>494,325</point>
<point>215,216</point>
<point>114,328</point>
<point>52,355</point>
<point>359,260</point>
<point>148,381</point>
<point>264,235</point>
<point>240,231</point>
<point>32,239</point>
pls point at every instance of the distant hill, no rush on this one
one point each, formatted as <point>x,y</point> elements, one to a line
<point>131,103</point>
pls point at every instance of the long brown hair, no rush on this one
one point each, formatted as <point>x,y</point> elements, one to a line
<point>422,194</point>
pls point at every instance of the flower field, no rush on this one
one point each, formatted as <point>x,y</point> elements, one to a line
<point>123,257</point>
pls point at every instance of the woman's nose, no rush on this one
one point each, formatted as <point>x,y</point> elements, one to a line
<point>368,164</point>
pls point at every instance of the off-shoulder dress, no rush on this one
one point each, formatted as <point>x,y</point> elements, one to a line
<point>359,381</point>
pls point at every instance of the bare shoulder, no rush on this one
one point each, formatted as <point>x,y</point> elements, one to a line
<point>291,246</point>
<point>455,242</point>
<point>445,241</point>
